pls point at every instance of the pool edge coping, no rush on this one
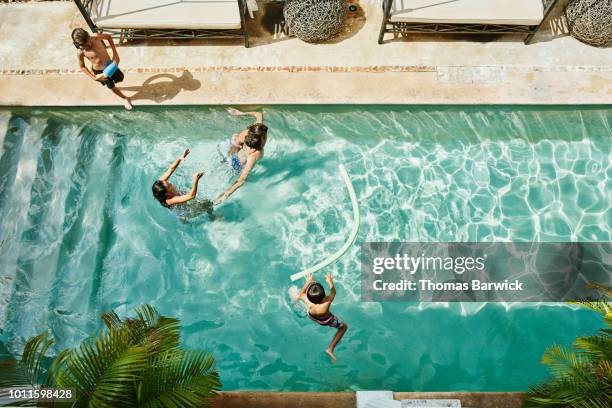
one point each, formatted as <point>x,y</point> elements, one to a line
<point>279,399</point>
<point>419,87</point>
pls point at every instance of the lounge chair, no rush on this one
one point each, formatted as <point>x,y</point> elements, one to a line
<point>464,17</point>
<point>166,19</point>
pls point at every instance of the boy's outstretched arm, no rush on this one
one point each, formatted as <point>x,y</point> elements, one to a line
<point>332,288</point>
<point>302,294</point>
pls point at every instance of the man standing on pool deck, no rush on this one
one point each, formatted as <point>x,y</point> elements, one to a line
<point>94,49</point>
<point>318,305</point>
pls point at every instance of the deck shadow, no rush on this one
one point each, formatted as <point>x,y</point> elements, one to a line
<point>163,87</point>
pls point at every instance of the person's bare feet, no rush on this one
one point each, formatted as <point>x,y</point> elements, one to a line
<point>330,353</point>
<point>127,103</point>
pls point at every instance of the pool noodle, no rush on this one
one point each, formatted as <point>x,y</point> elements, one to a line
<point>333,258</point>
<point>110,69</point>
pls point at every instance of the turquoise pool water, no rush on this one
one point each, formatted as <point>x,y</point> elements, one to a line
<point>80,233</point>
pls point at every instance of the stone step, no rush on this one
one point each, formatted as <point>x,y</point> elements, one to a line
<point>383,403</point>
<point>364,397</point>
<point>384,399</point>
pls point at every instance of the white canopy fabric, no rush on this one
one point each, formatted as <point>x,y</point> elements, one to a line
<point>512,12</point>
<point>167,14</point>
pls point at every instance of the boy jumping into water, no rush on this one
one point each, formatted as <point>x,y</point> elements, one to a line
<point>94,49</point>
<point>318,305</point>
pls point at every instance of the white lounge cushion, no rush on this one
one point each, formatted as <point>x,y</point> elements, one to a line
<point>514,12</point>
<point>167,14</point>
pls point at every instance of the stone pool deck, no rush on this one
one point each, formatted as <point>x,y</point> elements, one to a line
<point>38,66</point>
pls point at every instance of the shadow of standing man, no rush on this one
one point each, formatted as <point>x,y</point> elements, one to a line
<point>163,87</point>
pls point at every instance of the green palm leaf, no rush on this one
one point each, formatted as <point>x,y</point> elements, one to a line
<point>134,362</point>
<point>582,376</point>
<point>103,371</point>
<point>179,379</point>
<point>26,371</point>
<point>562,361</point>
<point>596,347</point>
<point>604,291</point>
<point>601,307</point>
<point>149,326</point>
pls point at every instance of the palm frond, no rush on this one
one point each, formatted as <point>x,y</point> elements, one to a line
<point>133,362</point>
<point>596,347</point>
<point>149,327</point>
<point>26,371</point>
<point>575,392</point>
<point>53,369</point>
<point>604,368</point>
<point>162,332</point>
<point>33,355</point>
<point>604,291</point>
<point>561,361</point>
<point>111,320</point>
<point>148,314</point>
<point>103,370</point>
<point>602,304</point>
<point>180,379</point>
<point>582,376</point>
<point>601,307</point>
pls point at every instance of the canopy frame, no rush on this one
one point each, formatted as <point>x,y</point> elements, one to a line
<point>398,28</point>
<point>126,34</point>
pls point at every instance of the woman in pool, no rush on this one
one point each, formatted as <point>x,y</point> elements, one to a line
<point>167,194</point>
<point>246,148</point>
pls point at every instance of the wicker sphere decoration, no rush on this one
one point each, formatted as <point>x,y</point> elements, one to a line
<point>590,21</point>
<point>315,20</point>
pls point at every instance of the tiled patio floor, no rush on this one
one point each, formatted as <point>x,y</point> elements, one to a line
<point>38,66</point>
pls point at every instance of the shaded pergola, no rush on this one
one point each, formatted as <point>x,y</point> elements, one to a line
<point>465,17</point>
<point>166,19</point>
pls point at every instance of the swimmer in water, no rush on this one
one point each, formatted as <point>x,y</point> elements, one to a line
<point>167,194</point>
<point>318,306</point>
<point>246,148</point>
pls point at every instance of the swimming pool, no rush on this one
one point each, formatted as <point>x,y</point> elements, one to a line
<point>80,233</point>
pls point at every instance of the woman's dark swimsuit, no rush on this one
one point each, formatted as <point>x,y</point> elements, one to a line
<point>191,209</point>
<point>330,320</point>
<point>110,82</point>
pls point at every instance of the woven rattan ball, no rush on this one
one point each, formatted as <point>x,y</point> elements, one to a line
<point>315,20</point>
<point>590,21</point>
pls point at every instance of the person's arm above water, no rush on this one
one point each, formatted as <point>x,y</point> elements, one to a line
<point>173,166</point>
<point>332,289</point>
<point>191,195</point>
<point>302,294</point>
<point>257,115</point>
<point>241,180</point>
